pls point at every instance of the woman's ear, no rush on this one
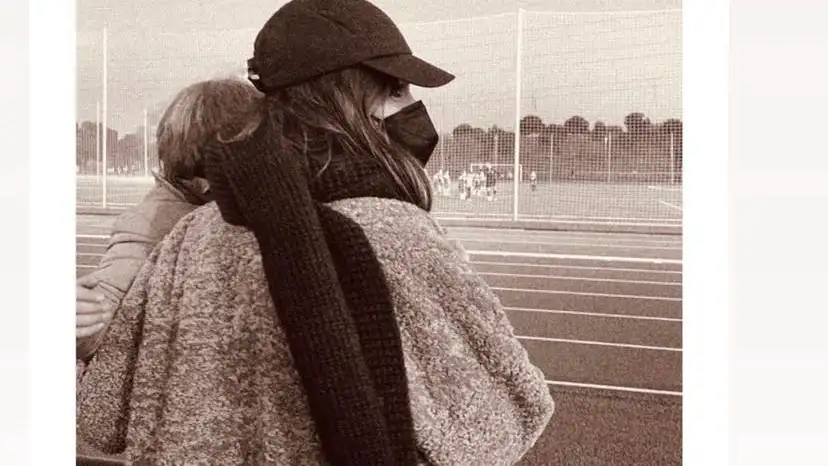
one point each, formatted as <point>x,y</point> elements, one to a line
<point>377,121</point>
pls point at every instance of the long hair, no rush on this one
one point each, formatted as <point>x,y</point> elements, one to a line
<point>202,112</point>
<point>339,106</point>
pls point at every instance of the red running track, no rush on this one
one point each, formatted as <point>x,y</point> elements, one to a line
<point>600,314</point>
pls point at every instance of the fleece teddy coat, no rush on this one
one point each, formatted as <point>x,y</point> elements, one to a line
<point>195,368</point>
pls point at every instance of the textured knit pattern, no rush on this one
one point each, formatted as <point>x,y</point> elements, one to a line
<point>330,295</point>
<point>196,367</point>
<point>372,309</point>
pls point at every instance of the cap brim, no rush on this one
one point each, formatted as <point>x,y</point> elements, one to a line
<point>411,69</point>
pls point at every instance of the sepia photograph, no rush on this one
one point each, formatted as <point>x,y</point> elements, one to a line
<point>379,232</point>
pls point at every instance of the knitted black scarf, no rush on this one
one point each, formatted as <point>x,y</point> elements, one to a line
<point>329,292</point>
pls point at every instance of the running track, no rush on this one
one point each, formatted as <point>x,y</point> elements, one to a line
<point>599,313</point>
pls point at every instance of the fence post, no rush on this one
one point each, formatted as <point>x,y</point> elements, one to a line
<point>609,158</point>
<point>551,153</point>
<point>104,128</point>
<point>98,141</point>
<point>518,85</point>
<point>496,148</point>
<point>672,160</point>
<point>146,146</point>
<point>442,153</point>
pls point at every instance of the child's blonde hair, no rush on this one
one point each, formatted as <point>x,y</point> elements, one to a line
<point>200,113</point>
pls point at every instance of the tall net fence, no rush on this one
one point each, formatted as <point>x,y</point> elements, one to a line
<point>589,102</point>
<point>601,107</point>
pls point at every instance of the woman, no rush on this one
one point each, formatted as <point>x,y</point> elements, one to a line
<point>316,313</point>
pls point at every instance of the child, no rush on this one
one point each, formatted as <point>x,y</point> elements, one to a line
<point>198,113</point>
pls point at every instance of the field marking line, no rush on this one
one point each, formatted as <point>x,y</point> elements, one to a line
<point>549,238</point>
<point>558,277</point>
<point>97,205</point>
<point>499,228</point>
<point>508,215</point>
<point>533,218</point>
<point>562,244</point>
<point>583,293</point>
<point>542,255</point>
<point>647,391</point>
<point>508,229</point>
<point>589,279</point>
<point>512,234</point>
<point>636,220</point>
<point>91,236</point>
<point>670,205</point>
<point>576,267</point>
<point>646,260</point>
<point>603,13</point>
<point>591,314</point>
<point>593,240</point>
<point>663,188</point>
<point>674,222</point>
<point>598,343</point>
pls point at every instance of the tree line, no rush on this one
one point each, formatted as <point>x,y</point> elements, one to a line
<point>640,149</point>
<point>637,128</point>
<point>125,152</point>
<point>551,149</point>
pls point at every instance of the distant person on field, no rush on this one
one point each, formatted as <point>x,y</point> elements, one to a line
<point>463,185</point>
<point>533,180</point>
<point>490,176</point>
<point>448,182</point>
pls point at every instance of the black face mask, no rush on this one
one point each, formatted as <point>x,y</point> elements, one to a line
<point>411,128</point>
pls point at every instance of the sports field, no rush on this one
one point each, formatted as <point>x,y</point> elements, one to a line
<point>587,201</point>
<point>565,201</point>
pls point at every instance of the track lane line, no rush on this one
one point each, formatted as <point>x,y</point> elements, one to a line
<point>598,343</point>
<point>591,314</point>
<point>648,391</point>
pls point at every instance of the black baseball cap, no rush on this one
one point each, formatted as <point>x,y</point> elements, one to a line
<point>309,38</point>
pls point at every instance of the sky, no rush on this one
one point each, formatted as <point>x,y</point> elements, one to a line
<point>600,59</point>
